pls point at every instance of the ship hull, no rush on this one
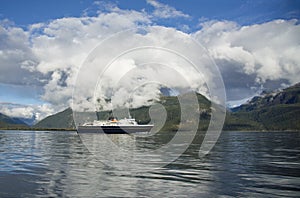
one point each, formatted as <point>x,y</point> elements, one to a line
<point>114,129</point>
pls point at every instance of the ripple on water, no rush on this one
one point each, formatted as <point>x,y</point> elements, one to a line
<point>57,164</point>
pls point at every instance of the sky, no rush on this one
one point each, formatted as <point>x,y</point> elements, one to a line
<point>255,45</point>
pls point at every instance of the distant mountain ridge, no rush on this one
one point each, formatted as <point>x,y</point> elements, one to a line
<point>9,122</point>
<point>290,95</point>
<point>64,119</point>
<point>29,121</point>
<point>272,111</point>
<point>61,120</point>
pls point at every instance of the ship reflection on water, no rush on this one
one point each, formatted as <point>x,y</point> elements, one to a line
<point>58,164</point>
<point>134,152</point>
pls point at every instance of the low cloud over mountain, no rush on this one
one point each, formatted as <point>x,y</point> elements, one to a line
<point>44,58</point>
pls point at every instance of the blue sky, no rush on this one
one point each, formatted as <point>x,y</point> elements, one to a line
<point>24,13</point>
<point>43,74</point>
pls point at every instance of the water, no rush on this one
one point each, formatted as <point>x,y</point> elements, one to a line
<point>57,164</point>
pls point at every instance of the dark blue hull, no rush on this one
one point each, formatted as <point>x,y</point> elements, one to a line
<point>114,129</point>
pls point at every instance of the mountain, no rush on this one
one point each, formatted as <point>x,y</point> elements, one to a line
<point>7,122</point>
<point>172,108</point>
<point>29,121</point>
<point>64,119</point>
<point>290,95</point>
<point>61,120</point>
<point>272,111</point>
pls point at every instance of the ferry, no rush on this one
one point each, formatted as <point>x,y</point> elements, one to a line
<point>114,126</point>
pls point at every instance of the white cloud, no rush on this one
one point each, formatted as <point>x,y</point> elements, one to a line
<point>165,11</point>
<point>36,112</point>
<point>63,44</point>
<point>20,111</point>
<point>50,55</point>
<point>132,71</point>
<point>267,51</point>
<point>16,57</point>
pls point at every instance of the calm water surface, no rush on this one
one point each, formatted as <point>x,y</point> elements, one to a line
<point>57,164</point>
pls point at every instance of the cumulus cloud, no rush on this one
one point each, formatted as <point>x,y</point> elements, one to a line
<point>253,55</point>
<point>16,57</point>
<point>165,11</point>
<point>63,44</point>
<point>35,112</point>
<point>51,54</point>
<point>143,62</point>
